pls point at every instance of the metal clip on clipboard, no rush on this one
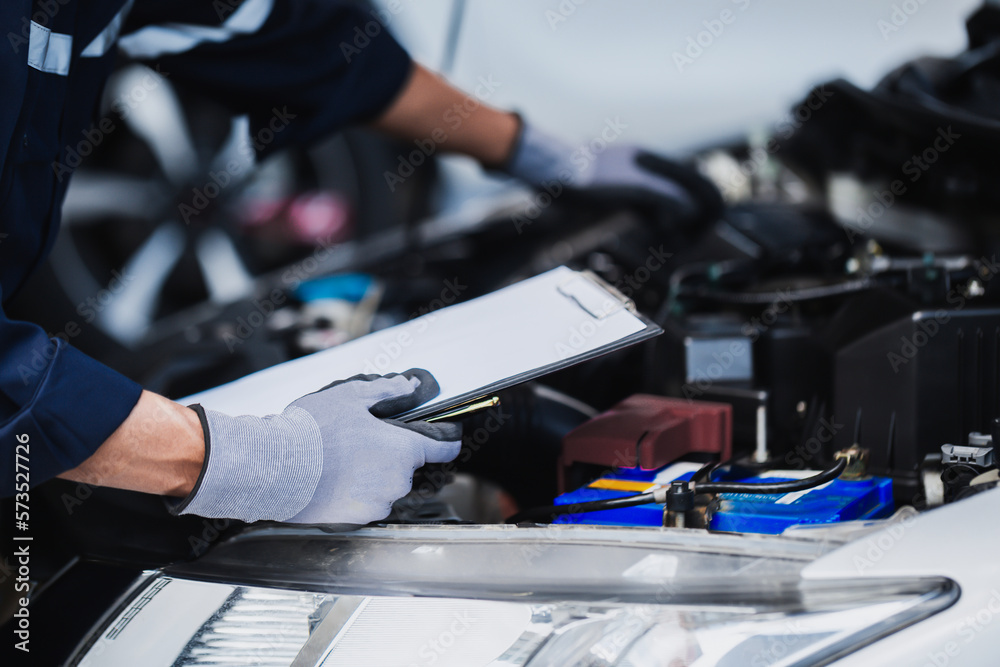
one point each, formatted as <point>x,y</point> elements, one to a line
<point>603,306</point>
<point>579,289</point>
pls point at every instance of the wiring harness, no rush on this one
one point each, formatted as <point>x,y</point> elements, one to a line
<point>679,495</point>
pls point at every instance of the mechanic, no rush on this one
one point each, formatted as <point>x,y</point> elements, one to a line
<point>331,456</point>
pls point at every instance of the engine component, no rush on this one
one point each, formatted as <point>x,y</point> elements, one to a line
<point>857,462</point>
<point>961,464</point>
<point>927,378</point>
<point>645,432</point>
<point>680,501</point>
<point>834,501</point>
<point>923,107</point>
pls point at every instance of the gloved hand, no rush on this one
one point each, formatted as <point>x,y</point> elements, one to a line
<point>333,456</point>
<point>616,172</point>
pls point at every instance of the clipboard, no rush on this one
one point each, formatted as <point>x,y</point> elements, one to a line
<point>522,332</point>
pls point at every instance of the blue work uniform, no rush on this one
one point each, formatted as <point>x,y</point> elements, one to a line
<point>322,63</point>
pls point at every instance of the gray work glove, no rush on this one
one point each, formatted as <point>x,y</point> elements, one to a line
<point>613,173</point>
<point>333,456</point>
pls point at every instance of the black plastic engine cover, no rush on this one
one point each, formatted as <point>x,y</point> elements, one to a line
<point>910,386</point>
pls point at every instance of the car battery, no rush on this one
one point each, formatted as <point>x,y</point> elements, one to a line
<point>839,500</point>
<point>625,482</point>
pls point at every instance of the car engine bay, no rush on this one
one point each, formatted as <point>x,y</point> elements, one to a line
<point>827,306</point>
<point>829,365</point>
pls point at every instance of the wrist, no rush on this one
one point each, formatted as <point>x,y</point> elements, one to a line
<point>501,138</point>
<point>158,449</point>
<point>192,462</point>
<point>430,109</point>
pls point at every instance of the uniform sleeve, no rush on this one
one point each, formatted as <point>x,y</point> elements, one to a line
<point>299,69</point>
<point>57,400</point>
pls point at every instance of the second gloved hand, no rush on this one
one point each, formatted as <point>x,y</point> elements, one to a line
<point>613,172</point>
<point>333,456</point>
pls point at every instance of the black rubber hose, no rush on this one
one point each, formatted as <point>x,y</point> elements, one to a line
<point>552,511</point>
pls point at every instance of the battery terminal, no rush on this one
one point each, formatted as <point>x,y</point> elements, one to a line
<point>857,462</point>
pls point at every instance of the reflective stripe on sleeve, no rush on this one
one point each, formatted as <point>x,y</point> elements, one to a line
<point>160,40</point>
<point>49,51</point>
<point>107,37</point>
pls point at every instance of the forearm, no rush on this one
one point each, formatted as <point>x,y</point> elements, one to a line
<point>429,108</point>
<point>159,448</point>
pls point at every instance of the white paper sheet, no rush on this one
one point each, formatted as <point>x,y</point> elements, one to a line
<point>469,346</point>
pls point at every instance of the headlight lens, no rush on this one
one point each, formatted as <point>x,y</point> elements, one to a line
<point>174,619</point>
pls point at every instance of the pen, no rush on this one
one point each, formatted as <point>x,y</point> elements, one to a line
<point>468,408</point>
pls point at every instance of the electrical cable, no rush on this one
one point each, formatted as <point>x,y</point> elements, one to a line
<point>792,295</point>
<point>546,514</point>
<point>704,473</point>
<point>550,512</point>
<point>774,487</point>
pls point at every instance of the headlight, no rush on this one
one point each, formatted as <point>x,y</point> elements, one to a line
<point>666,610</point>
